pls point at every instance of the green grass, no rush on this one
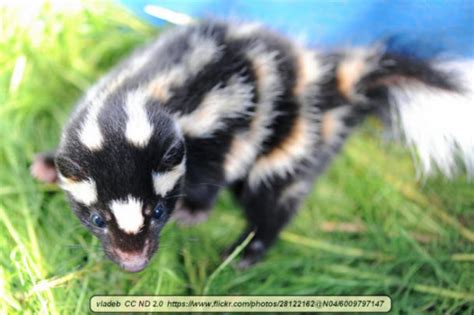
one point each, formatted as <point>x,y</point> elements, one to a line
<point>369,226</point>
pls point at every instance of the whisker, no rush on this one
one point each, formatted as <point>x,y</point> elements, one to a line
<point>173,196</point>
<point>210,184</point>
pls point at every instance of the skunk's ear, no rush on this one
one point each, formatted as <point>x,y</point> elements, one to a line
<point>68,168</point>
<point>44,167</point>
<point>172,157</point>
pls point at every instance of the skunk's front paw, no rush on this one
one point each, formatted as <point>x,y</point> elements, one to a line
<point>43,168</point>
<point>251,254</point>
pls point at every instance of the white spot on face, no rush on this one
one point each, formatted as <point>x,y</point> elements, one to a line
<point>231,101</point>
<point>164,182</point>
<point>139,128</point>
<point>128,214</point>
<point>84,191</point>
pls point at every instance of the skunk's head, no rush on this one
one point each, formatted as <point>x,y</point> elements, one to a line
<point>123,174</point>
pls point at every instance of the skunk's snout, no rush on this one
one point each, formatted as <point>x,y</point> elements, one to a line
<point>131,261</point>
<point>134,264</point>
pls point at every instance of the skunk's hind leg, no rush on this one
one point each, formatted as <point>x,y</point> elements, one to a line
<point>270,202</point>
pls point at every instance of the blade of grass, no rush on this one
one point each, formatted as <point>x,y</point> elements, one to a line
<point>333,248</point>
<point>412,194</point>
<point>227,261</point>
<point>390,280</point>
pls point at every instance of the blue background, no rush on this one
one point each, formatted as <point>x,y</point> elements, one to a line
<point>432,26</point>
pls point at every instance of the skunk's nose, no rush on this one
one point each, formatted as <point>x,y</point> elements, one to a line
<point>134,264</point>
<point>131,261</point>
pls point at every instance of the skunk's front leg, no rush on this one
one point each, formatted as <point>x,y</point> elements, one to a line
<point>196,202</point>
<point>268,208</point>
<point>203,180</point>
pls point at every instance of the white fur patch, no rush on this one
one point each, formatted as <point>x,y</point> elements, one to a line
<point>241,154</point>
<point>299,145</point>
<point>84,191</point>
<point>90,134</point>
<point>201,52</point>
<point>439,124</point>
<point>246,146</point>
<point>310,70</point>
<point>164,182</point>
<point>139,129</point>
<point>128,214</point>
<point>116,77</point>
<point>232,100</point>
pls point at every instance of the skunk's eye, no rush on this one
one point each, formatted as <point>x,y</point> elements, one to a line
<point>158,212</point>
<point>97,220</point>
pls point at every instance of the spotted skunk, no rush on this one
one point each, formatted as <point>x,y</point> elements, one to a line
<point>215,105</point>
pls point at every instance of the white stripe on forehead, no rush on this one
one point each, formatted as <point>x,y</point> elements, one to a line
<point>139,128</point>
<point>165,181</point>
<point>84,191</point>
<point>128,214</point>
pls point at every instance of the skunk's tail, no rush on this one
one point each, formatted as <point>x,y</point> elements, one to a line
<point>433,102</point>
